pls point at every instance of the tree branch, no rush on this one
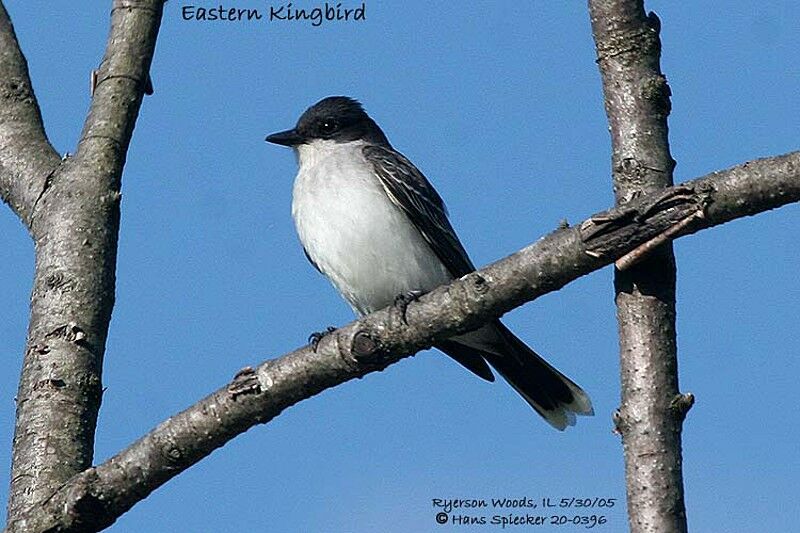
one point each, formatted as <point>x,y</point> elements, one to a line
<point>637,103</point>
<point>94,498</point>
<point>26,157</point>
<point>75,224</point>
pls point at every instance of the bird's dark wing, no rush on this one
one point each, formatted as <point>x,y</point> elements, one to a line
<point>410,190</point>
<point>546,389</point>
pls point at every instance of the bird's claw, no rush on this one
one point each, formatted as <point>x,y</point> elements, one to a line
<point>402,300</point>
<point>314,338</point>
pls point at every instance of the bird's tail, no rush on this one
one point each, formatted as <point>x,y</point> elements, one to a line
<point>552,394</point>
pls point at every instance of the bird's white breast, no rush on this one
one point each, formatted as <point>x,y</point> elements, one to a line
<point>352,231</point>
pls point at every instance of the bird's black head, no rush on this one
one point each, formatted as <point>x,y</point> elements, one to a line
<point>336,118</point>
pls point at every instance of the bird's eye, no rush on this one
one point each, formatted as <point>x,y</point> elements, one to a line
<point>328,126</point>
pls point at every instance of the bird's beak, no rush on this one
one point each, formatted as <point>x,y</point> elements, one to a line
<point>286,138</point>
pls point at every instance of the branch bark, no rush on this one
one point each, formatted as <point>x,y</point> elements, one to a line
<point>637,101</point>
<point>26,157</point>
<point>94,498</point>
<point>73,215</point>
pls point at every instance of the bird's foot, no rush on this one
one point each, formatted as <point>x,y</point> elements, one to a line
<point>314,338</point>
<point>402,300</point>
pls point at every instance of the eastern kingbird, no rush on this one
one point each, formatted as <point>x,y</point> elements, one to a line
<point>376,228</point>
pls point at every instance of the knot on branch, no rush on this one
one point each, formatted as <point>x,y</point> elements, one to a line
<point>69,332</point>
<point>366,347</point>
<point>59,281</point>
<point>171,452</point>
<point>643,225</point>
<point>468,296</point>
<point>244,382</point>
<point>681,404</point>
<point>54,383</point>
<point>476,283</point>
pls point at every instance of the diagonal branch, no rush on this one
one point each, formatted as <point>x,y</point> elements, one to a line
<point>26,157</point>
<point>96,497</point>
<point>75,224</point>
<point>637,101</point>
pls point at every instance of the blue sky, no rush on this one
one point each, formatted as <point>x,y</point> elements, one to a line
<point>500,105</point>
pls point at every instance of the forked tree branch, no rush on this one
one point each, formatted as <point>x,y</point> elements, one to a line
<point>71,207</point>
<point>637,102</point>
<point>93,499</point>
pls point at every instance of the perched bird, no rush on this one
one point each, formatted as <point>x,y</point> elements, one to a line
<point>376,228</point>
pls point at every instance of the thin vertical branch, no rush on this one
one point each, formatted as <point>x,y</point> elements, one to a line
<point>637,100</point>
<point>74,222</point>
